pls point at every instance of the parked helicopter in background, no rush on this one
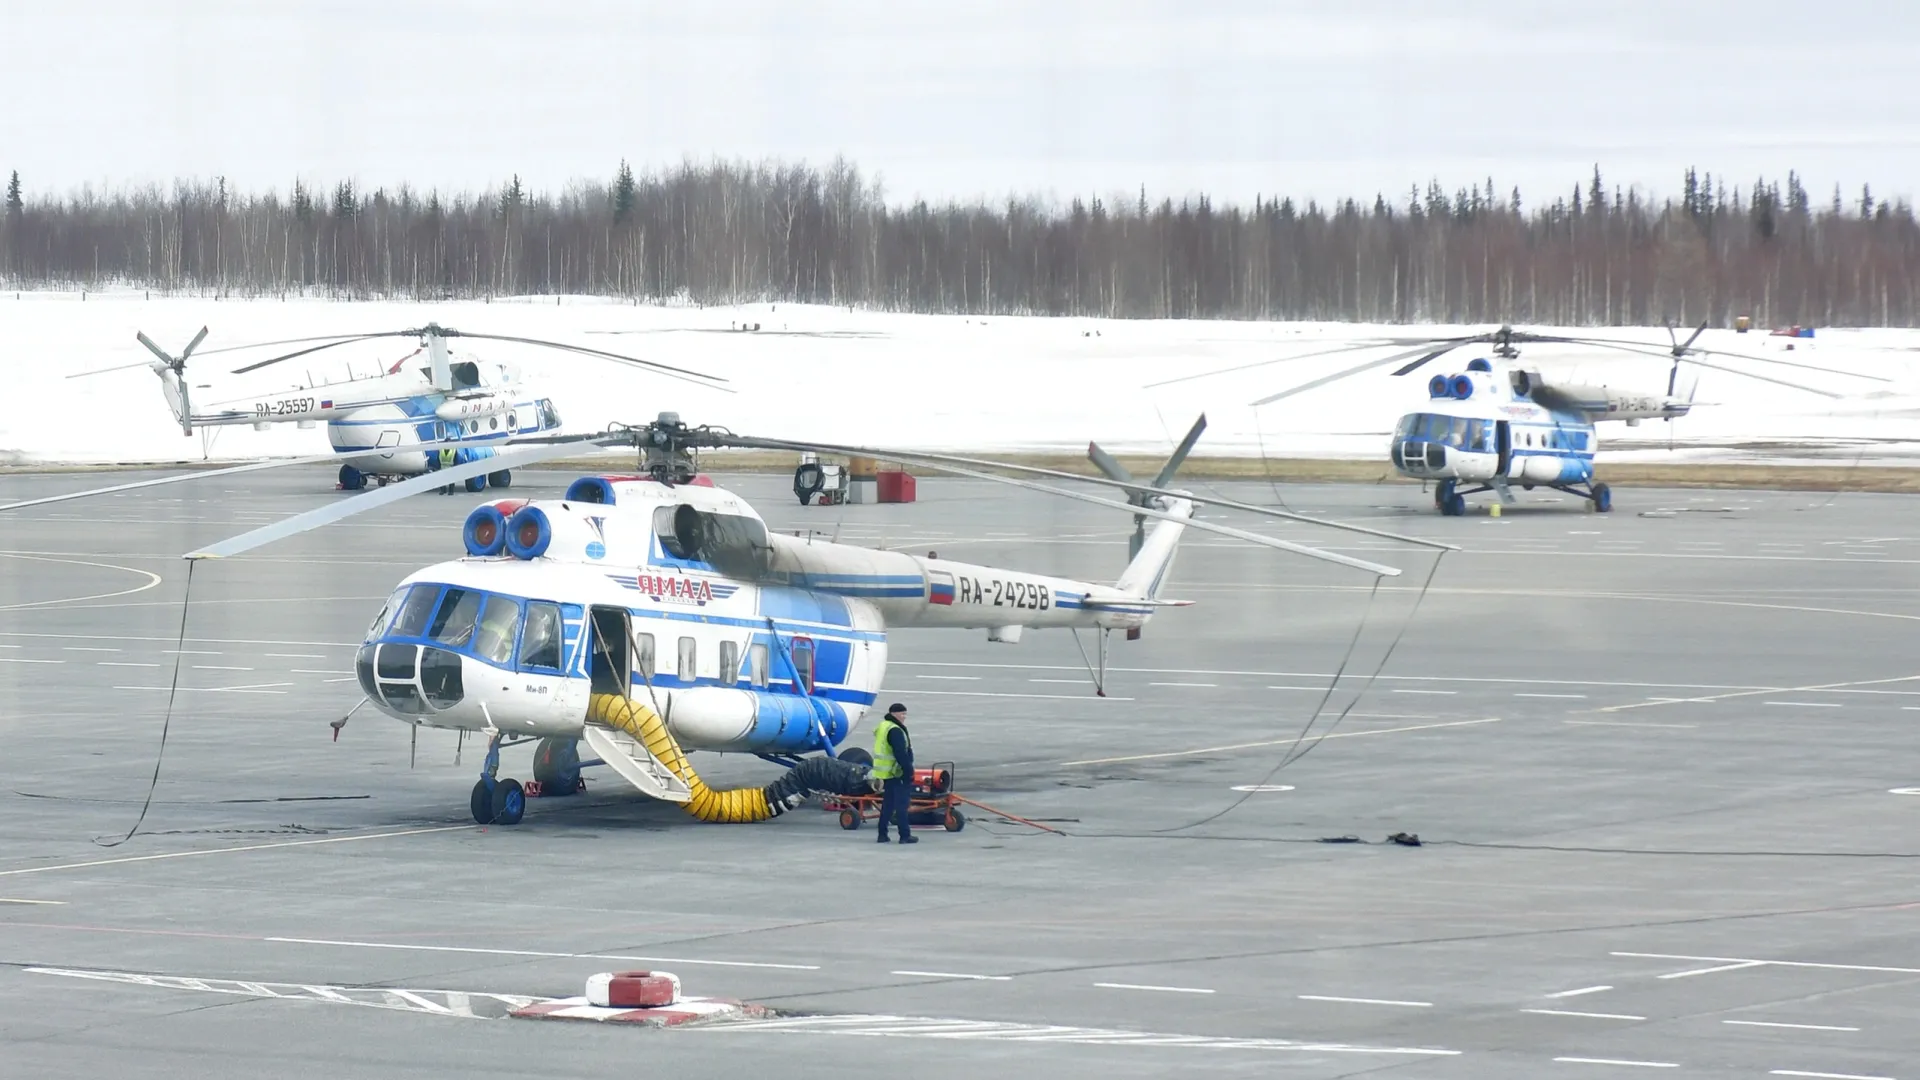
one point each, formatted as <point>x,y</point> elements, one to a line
<point>1497,425</point>
<point>385,420</point>
<point>655,613</point>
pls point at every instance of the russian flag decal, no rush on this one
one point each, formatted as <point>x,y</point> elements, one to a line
<point>940,588</point>
<point>327,403</point>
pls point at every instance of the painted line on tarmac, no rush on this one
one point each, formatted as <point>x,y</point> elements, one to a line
<point>953,975</point>
<point>1751,693</point>
<point>229,850</point>
<point>1368,1001</point>
<point>399,947</point>
<point>1582,1015</point>
<point>1033,697</point>
<point>1825,1075</point>
<point>926,1027</point>
<point>1793,1027</point>
<point>1277,742</point>
<point>1155,989</point>
<point>15,900</point>
<point>1580,992</point>
<point>1618,1061</point>
<point>1743,961</point>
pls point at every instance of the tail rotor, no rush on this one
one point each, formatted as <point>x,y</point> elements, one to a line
<point>1115,471</point>
<point>172,371</point>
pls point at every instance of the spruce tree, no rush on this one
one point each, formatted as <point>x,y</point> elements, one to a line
<point>623,196</point>
<point>15,204</point>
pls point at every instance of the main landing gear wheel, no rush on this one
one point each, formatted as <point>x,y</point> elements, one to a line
<point>352,479</point>
<point>506,804</point>
<point>501,479</point>
<point>1602,498</point>
<point>856,756</point>
<point>476,483</point>
<point>556,765</point>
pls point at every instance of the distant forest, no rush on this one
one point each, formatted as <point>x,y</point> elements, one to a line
<point>730,232</point>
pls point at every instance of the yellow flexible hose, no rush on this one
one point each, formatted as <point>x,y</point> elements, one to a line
<point>630,716</point>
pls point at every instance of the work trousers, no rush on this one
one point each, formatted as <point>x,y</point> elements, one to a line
<point>895,799</point>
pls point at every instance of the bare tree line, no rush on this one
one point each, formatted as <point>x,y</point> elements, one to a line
<point>731,232</point>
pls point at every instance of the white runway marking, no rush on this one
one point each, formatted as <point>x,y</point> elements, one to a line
<point>1618,1061</point>
<point>952,678</point>
<point>1712,970</point>
<point>123,663</point>
<point>1368,1001</point>
<point>311,671</point>
<point>48,903</point>
<point>1805,704</point>
<point>1278,742</point>
<point>1583,1015</point>
<point>953,975</point>
<point>1826,1076</point>
<point>1580,697</point>
<point>85,648</point>
<point>1088,696</point>
<point>1319,688</point>
<point>433,1002</point>
<point>1579,992</point>
<point>1738,961</point>
<point>1794,1027</point>
<point>1426,692</point>
<point>1158,989</point>
<point>1206,685</point>
<point>1624,723</point>
<point>17,660</point>
<point>535,953</point>
<point>228,850</point>
<point>219,667</point>
<point>293,656</point>
<point>925,1027</point>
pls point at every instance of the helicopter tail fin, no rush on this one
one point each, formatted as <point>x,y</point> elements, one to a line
<point>1154,558</point>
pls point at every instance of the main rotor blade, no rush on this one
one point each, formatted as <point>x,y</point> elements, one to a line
<point>1144,511</point>
<point>345,508</point>
<point>1350,347</point>
<point>117,367</point>
<point>1180,453</point>
<point>316,348</point>
<point>290,341</point>
<point>665,369</point>
<point>1762,378</point>
<point>1434,355</point>
<point>1653,349</point>
<point>933,460</point>
<point>1338,375</point>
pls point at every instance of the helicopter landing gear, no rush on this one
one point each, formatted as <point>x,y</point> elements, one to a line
<point>352,479</point>
<point>476,483</point>
<point>556,766</point>
<point>501,479</point>
<point>1449,501</point>
<point>1602,498</point>
<point>496,802</point>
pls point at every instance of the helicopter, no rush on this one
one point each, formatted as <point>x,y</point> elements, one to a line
<point>1496,425</point>
<point>654,613</point>
<point>383,421</point>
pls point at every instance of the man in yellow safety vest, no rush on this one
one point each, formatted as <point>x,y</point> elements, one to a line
<point>893,766</point>
<point>446,462</point>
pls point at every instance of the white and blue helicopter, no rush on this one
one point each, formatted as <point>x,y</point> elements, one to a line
<point>653,614</point>
<point>383,422</point>
<point>1496,425</point>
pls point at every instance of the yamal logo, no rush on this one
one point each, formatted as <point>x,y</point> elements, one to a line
<point>596,548</point>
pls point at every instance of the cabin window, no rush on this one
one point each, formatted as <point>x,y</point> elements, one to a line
<point>688,655</point>
<point>540,642</point>
<point>412,620</point>
<point>757,664</point>
<point>454,624</point>
<point>643,652</point>
<point>729,663</point>
<point>801,653</point>
<point>499,623</point>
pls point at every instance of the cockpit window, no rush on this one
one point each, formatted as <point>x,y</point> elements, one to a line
<point>499,624</point>
<point>386,613</point>
<point>540,645</point>
<point>454,624</point>
<point>412,620</point>
<point>1461,432</point>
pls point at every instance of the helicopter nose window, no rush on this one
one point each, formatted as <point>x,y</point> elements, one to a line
<point>412,620</point>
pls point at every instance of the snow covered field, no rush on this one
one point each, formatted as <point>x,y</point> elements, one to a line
<point>911,381</point>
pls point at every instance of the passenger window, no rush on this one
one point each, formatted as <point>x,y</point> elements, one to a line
<point>757,665</point>
<point>454,625</point>
<point>540,644</point>
<point>802,655</point>
<point>412,620</point>
<point>687,657</point>
<point>729,663</point>
<point>498,626</point>
<point>643,649</point>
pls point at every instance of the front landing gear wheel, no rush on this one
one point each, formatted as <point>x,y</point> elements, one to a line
<point>1602,498</point>
<point>481,803</point>
<point>556,764</point>
<point>856,756</point>
<point>509,802</point>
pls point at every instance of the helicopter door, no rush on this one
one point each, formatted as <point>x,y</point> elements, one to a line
<point>1503,442</point>
<point>610,659</point>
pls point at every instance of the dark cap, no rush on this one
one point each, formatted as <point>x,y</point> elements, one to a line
<point>896,707</point>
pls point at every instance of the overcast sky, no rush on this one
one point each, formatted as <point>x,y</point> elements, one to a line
<point>1317,98</point>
